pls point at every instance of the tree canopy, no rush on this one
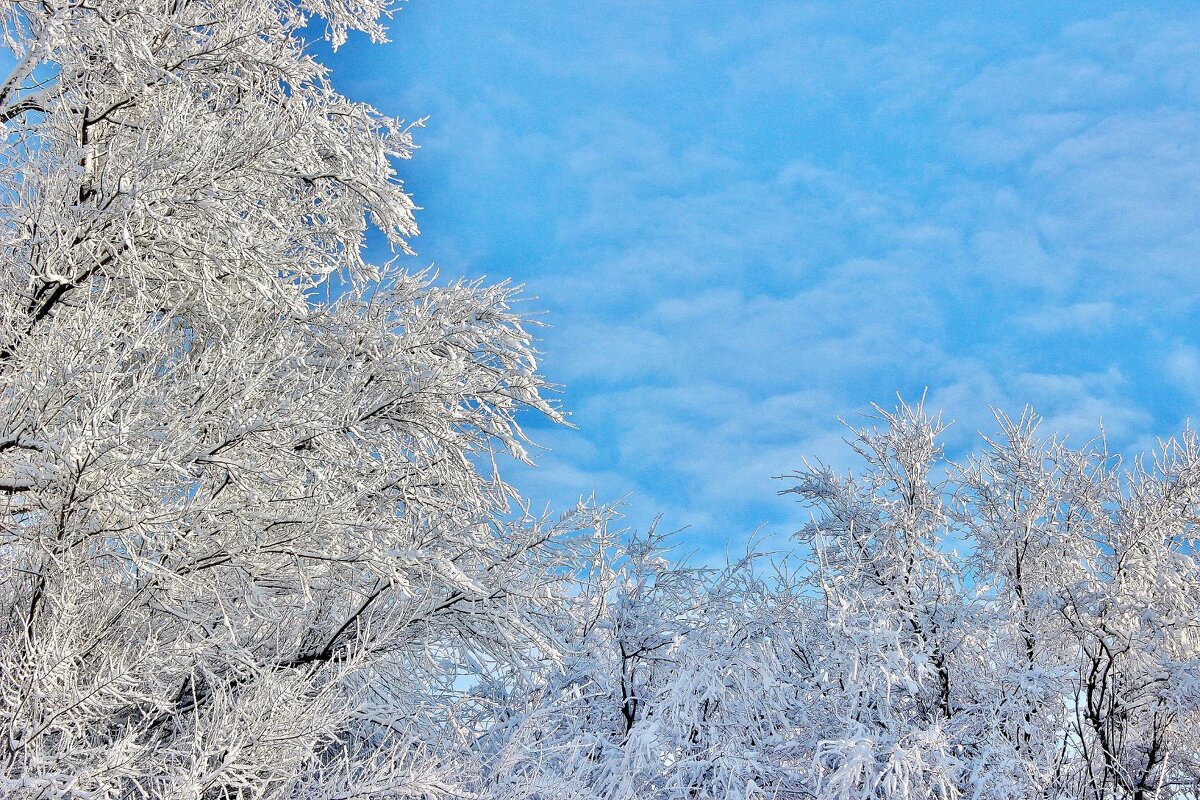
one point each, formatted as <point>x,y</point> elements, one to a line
<point>255,543</point>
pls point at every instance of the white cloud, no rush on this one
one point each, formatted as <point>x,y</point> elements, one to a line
<point>748,220</point>
<point>1087,317</point>
<point>1183,369</point>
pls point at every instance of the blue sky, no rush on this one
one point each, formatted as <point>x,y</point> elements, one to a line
<point>744,220</point>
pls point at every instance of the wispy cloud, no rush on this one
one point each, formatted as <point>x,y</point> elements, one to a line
<point>747,220</point>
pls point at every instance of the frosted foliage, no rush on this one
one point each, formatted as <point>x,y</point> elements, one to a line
<point>248,520</point>
<point>254,542</point>
<point>1023,625</point>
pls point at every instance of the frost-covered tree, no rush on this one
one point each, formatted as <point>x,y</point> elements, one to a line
<point>1028,626</point>
<point>892,606</point>
<point>1087,683</point>
<point>1022,625</point>
<point>254,542</point>
<point>588,729</point>
<point>251,537</point>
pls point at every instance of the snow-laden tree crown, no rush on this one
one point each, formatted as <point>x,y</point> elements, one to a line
<point>247,541</point>
<point>254,542</point>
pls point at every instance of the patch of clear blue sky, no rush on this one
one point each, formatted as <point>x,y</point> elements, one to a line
<point>744,220</point>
